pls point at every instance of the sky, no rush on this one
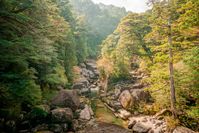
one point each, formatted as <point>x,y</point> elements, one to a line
<point>130,5</point>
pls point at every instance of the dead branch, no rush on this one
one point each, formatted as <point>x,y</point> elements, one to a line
<point>162,112</point>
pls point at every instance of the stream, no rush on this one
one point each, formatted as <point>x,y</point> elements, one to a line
<point>103,114</point>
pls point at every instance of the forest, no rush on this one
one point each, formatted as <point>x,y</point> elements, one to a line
<point>74,66</point>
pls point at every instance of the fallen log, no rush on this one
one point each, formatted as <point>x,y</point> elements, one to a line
<point>110,108</point>
<point>162,112</point>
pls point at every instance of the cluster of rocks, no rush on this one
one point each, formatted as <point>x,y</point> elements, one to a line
<point>150,124</point>
<point>126,96</point>
<point>87,81</point>
<point>147,124</point>
<point>101,127</point>
<point>89,70</point>
<point>64,114</point>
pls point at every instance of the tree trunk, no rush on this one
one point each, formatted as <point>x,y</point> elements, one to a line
<point>171,70</point>
<point>106,84</point>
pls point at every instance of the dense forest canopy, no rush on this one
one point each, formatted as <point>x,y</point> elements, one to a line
<point>43,41</point>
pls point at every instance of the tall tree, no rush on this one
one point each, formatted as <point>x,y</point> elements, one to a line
<point>171,70</point>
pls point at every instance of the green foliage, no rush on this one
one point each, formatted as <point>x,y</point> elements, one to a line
<point>192,60</point>
<point>189,14</point>
<point>48,94</point>
<point>159,86</point>
<point>58,77</point>
<point>81,39</point>
<point>39,47</point>
<point>142,39</point>
<point>185,58</point>
<point>16,47</point>
<point>39,111</point>
<point>188,89</point>
<point>126,43</point>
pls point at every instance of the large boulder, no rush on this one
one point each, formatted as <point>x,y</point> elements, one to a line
<point>66,98</point>
<point>181,129</point>
<point>140,95</point>
<point>62,115</point>
<point>126,99</point>
<point>101,127</point>
<point>86,113</point>
<point>140,128</point>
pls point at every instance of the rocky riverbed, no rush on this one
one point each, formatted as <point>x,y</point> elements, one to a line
<point>86,108</point>
<point>114,110</point>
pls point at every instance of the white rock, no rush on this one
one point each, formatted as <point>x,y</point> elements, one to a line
<point>86,113</point>
<point>95,90</point>
<point>181,129</point>
<point>140,128</point>
<point>124,114</point>
<point>155,125</point>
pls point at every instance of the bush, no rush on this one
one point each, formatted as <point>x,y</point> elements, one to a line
<point>39,111</point>
<point>171,122</point>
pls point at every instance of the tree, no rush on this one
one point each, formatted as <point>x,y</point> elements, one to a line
<point>173,35</point>
<point>171,70</point>
<point>37,51</point>
<point>127,43</point>
<point>17,78</point>
<point>163,12</point>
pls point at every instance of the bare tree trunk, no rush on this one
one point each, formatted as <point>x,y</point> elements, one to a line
<point>106,84</point>
<point>171,70</point>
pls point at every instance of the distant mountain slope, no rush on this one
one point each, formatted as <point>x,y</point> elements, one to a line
<point>101,19</point>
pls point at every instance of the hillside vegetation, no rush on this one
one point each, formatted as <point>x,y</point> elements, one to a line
<point>47,46</point>
<point>41,41</point>
<point>141,42</point>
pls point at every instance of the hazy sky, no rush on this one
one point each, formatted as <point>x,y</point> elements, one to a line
<point>130,5</point>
